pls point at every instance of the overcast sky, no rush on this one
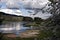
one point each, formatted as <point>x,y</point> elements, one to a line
<point>25,3</point>
<point>21,4</point>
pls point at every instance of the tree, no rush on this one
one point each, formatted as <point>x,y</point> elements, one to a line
<point>1,18</point>
<point>55,19</point>
<point>51,32</point>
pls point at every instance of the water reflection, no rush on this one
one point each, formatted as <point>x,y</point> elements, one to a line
<point>13,27</point>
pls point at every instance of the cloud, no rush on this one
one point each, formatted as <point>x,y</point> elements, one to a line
<point>13,12</point>
<point>34,3</point>
<point>26,3</point>
<point>3,1</point>
<point>12,4</point>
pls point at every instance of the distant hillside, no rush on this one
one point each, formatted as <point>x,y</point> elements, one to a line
<point>8,17</point>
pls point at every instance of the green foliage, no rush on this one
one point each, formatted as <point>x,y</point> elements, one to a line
<point>34,24</point>
<point>1,21</point>
<point>45,34</point>
<point>2,36</point>
<point>58,32</point>
<point>38,20</point>
<point>10,17</point>
<point>27,19</point>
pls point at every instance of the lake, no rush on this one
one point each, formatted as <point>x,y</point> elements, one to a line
<point>13,27</point>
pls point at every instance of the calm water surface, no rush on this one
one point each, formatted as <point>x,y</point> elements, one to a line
<point>13,27</point>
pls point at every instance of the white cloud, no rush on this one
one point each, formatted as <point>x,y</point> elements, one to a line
<point>13,12</point>
<point>34,3</point>
<point>12,4</point>
<point>3,1</point>
<point>26,3</point>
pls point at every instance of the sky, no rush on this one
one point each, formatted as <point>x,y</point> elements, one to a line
<point>22,4</point>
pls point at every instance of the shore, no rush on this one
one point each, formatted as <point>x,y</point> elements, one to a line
<point>26,34</point>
